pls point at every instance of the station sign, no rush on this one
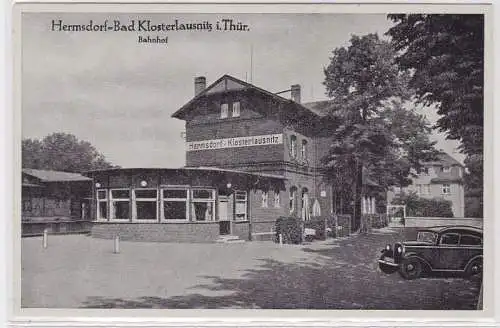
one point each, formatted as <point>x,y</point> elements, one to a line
<point>237,142</point>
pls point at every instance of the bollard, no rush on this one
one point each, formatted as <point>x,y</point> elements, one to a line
<point>281,239</point>
<point>116,248</point>
<point>45,237</point>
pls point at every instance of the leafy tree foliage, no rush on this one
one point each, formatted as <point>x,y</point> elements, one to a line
<point>446,56</point>
<point>474,186</point>
<point>62,152</point>
<point>378,135</point>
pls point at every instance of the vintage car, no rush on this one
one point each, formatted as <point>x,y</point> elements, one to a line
<point>457,249</point>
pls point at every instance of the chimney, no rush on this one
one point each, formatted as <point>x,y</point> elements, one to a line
<point>295,91</point>
<point>200,83</point>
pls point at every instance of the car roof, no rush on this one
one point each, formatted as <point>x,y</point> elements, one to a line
<point>458,228</point>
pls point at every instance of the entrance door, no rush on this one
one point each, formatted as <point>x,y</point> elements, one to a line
<point>224,216</point>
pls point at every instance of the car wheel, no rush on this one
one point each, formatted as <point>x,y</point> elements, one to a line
<point>411,268</point>
<point>474,268</point>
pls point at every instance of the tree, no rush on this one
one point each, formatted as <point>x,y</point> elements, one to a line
<point>446,56</point>
<point>62,152</point>
<point>368,94</point>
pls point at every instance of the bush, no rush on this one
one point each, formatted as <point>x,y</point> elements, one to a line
<point>290,228</point>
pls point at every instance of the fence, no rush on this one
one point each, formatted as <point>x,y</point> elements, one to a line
<point>373,221</point>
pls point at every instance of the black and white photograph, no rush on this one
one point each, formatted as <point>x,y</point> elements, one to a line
<point>268,161</point>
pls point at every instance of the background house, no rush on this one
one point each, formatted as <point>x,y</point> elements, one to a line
<point>443,179</point>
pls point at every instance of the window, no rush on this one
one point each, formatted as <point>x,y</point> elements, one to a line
<point>469,240</point>
<point>303,150</point>
<point>426,237</point>
<point>426,189</point>
<point>145,205</point>
<point>102,204</point>
<point>446,189</point>
<point>450,239</point>
<point>27,205</point>
<point>120,204</point>
<point>265,196</point>
<point>236,109</point>
<point>293,200</point>
<point>175,204</point>
<point>241,206</point>
<point>419,189</point>
<point>305,204</point>
<point>224,110</point>
<point>203,204</point>
<point>425,170</point>
<point>445,169</point>
<point>293,146</point>
<point>277,199</point>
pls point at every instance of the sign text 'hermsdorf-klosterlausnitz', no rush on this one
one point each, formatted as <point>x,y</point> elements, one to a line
<point>263,140</point>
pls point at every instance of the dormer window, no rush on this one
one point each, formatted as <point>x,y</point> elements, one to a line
<point>236,109</point>
<point>224,109</point>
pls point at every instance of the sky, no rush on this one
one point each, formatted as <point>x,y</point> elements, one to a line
<point>119,94</point>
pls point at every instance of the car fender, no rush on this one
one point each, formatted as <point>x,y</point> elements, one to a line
<point>472,259</point>
<point>421,259</point>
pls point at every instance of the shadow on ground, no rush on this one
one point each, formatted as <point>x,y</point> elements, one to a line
<point>343,277</point>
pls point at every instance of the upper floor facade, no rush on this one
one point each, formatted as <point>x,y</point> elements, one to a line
<point>234,124</point>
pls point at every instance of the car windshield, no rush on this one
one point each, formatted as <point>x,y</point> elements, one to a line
<point>426,237</point>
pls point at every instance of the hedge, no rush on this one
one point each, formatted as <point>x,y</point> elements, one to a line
<point>290,229</point>
<point>420,207</point>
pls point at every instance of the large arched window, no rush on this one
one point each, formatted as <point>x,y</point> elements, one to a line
<point>293,200</point>
<point>303,150</point>
<point>293,146</point>
<point>305,206</point>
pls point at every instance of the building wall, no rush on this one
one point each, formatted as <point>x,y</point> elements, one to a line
<point>264,218</point>
<point>414,222</point>
<point>170,232</point>
<point>241,229</point>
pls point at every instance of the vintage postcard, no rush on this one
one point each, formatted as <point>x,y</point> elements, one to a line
<point>252,159</point>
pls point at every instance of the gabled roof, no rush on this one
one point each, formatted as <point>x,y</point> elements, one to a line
<point>55,176</point>
<point>230,83</point>
<point>320,108</point>
<point>444,159</point>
